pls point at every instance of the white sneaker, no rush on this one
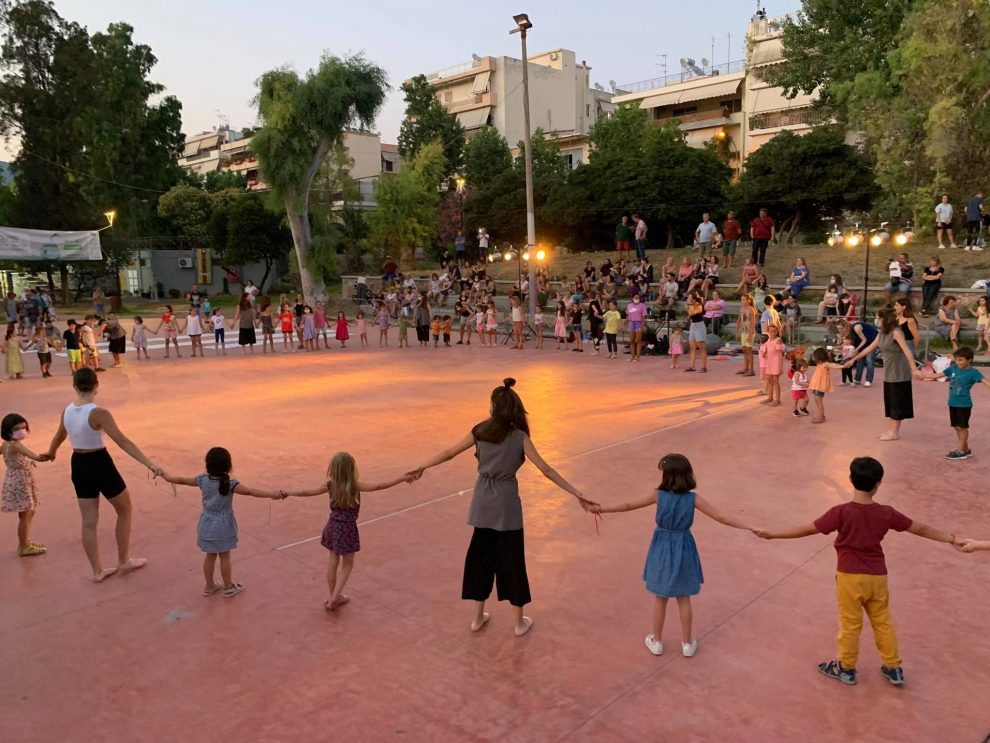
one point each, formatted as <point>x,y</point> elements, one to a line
<point>654,645</point>
<point>688,649</point>
<point>966,248</point>
<point>867,384</point>
<point>941,247</point>
<point>977,248</point>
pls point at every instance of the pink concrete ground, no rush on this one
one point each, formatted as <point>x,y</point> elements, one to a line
<point>145,657</point>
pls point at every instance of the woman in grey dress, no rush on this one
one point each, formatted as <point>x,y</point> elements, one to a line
<point>497,553</point>
<point>898,368</point>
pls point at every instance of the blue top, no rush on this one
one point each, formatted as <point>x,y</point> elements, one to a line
<point>973,209</point>
<point>961,383</point>
<point>870,331</point>
<point>801,273</point>
<point>673,566</point>
<point>217,527</point>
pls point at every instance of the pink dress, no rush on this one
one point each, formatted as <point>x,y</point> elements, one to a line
<point>772,356</point>
<point>560,327</point>
<point>676,346</point>
<point>320,320</point>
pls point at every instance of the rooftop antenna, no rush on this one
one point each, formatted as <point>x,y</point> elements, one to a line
<point>728,48</point>
<point>712,58</point>
<point>662,64</point>
<point>475,57</point>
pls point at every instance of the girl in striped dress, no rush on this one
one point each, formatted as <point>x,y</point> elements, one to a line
<point>217,533</point>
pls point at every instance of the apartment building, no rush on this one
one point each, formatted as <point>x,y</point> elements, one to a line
<point>488,91</point>
<point>730,102</point>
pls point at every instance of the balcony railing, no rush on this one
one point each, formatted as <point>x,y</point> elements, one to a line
<point>454,70</point>
<point>680,77</point>
<point>796,117</point>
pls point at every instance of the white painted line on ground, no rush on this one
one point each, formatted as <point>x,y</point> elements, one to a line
<point>672,427</point>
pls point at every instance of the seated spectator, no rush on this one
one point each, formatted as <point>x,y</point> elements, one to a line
<point>684,275</point>
<point>800,278</point>
<point>749,273</point>
<point>711,275</point>
<point>667,296</point>
<point>901,272</point>
<point>828,307</point>
<point>715,311</point>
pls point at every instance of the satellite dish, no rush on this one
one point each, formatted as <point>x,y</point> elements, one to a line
<point>599,86</point>
<point>613,84</point>
<point>475,57</point>
<point>685,61</point>
<point>704,62</point>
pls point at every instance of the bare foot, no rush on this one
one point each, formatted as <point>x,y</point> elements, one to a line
<point>524,626</point>
<point>133,564</point>
<point>888,436</point>
<point>479,623</point>
<point>103,574</point>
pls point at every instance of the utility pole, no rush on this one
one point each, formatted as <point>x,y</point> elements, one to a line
<point>523,24</point>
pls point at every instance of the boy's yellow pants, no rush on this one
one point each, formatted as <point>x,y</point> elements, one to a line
<point>856,593</point>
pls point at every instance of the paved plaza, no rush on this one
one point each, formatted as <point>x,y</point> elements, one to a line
<point>145,657</point>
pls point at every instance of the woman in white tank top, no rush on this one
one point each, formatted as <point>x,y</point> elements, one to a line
<point>93,472</point>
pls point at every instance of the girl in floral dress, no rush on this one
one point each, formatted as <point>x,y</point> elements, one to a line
<point>20,493</point>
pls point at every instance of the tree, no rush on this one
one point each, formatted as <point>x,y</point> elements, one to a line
<point>254,233</point>
<point>222,180</point>
<point>426,121</point>
<point>486,157</point>
<point>407,205</point>
<point>303,118</point>
<point>805,179</point>
<point>186,209</point>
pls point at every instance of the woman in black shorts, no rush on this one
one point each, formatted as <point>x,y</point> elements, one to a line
<point>93,472</point>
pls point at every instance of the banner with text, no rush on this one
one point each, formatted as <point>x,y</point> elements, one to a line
<point>41,245</point>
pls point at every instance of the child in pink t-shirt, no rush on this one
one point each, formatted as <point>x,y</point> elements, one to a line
<point>772,362</point>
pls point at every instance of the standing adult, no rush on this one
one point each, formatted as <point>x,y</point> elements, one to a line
<point>244,317</point>
<point>974,219</point>
<point>460,248</point>
<point>908,323</point>
<point>623,234</point>
<point>635,320</point>
<point>705,233</point>
<point>640,236</point>
<point>497,551</point>
<point>423,319</point>
<point>731,231</point>
<point>697,331</point>
<point>251,290</point>
<point>943,221</point>
<point>931,285</point>
<point>762,230</point>
<point>99,300</point>
<point>483,239</point>
<point>898,368</point>
<point>94,473</point>
<point>863,336</point>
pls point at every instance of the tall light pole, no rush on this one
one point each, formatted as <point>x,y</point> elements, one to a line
<point>523,24</point>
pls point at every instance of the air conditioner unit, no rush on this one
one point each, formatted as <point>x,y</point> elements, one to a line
<point>185,262</point>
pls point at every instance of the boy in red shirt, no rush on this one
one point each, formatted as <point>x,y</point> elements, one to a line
<point>861,576</point>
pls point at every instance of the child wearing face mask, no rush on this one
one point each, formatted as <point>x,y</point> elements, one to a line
<point>309,328</point>
<point>20,493</point>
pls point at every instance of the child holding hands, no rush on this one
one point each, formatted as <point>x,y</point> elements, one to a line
<point>861,576</point>
<point>340,536</point>
<point>20,493</point>
<point>217,532</point>
<point>673,566</point>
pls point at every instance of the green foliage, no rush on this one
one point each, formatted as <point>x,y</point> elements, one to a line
<point>186,209</point>
<point>303,118</point>
<point>407,205</point>
<point>486,156</point>
<point>222,180</point>
<point>427,121</point>
<point>254,233</point>
<point>804,179</point>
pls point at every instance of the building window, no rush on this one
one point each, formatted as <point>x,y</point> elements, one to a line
<point>388,166</point>
<point>684,111</point>
<point>793,117</point>
<point>448,96</point>
<point>733,106</point>
<point>587,110</point>
<point>571,161</point>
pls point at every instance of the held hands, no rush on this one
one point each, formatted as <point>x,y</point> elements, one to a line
<point>156,470</point>
<point>280,495</point>
<point>762,533</point>
<point>589,505</point>
<point>414,474</point>
<point>970,545</point>
<point>46,457</point>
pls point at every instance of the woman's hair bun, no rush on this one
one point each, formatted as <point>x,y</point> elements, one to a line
<point>508,383</point>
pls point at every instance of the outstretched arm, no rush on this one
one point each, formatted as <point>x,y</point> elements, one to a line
<point>795,533</point>
<point>58,438</point>
<point>245,490</point>
<point>550,473</point>
<point>930,532</point>
<point>320,489</point>
<point>971,545</point>
<point>369,486</point>
<point>445,456</point>
<point>23,450</point>
<point>101,419</point>
<point>713,513</point>
<point>176,480</point>
<point>627,506</point>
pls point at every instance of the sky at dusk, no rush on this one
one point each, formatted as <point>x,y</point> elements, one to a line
<point>210,52</point>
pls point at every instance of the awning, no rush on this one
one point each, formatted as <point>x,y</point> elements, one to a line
<point>190,149</point>
<point>202,167</point>
<point>719,89</point>
<point>474,119</point>
<point>481,82</point>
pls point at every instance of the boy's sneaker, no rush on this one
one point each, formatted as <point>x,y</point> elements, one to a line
<point>796,414</point>
<point>804,411</point>
<point>688,649</point>
<point>833,669</point>
<point>654,645</point>
<point>959,454</point>
<point>867,384</point>
<point>893,675</point>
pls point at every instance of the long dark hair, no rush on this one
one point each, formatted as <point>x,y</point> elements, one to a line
<point>508,414</point>
<point>678,474</point>
<point>218,467</point>
<point>888,320</point>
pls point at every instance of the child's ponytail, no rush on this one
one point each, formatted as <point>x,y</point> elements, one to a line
<point>218,466</point>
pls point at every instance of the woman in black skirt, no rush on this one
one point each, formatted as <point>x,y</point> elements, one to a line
<point>898,368</point>
<point>244,317</point>
<point>497,554</point>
